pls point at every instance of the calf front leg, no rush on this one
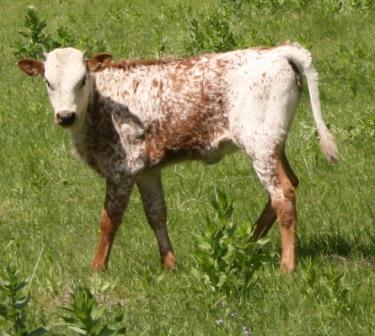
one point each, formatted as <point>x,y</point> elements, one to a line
<point>151,190</point>
<point>116,201</point>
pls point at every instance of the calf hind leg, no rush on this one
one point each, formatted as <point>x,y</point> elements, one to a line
<point>276,174</point>
<point>268,216</point>
<point>264,222</point>
<point>288,170</point>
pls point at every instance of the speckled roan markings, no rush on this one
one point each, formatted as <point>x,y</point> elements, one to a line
<point>131,118</point>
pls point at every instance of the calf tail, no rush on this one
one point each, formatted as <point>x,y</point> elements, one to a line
<point>303,59</point>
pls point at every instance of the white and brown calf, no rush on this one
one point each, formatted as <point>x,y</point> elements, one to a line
<point>129,119</point>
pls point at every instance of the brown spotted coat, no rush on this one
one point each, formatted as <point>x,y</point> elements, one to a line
<point>131,118</point>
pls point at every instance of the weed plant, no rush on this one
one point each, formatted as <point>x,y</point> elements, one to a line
<point>13,306</point>
<point>226,258</point>
<point>83,315</point>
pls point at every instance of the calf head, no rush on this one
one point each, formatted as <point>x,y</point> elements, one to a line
<point>66,72</point>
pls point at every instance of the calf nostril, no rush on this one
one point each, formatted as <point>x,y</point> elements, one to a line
<point>65,118</point>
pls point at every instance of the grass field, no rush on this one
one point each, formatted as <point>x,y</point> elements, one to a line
<point>50,202</point>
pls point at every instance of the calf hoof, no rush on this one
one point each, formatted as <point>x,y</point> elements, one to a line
<point>169,261</point>
<point>288,268</point>
<point>98,266</point>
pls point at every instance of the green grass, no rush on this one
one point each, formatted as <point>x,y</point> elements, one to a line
<point>50,202</point>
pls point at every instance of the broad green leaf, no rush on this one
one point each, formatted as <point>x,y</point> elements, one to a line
<point>78,330</point>
<point>22,302</point>
<point>97,312</point>
<point>205,246</point>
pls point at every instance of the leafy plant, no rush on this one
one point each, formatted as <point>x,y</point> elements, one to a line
<point>36,40</point>
<point>210,30</point>
<point>226,258</point>
<point>86,317</point>
<point>14,303</point>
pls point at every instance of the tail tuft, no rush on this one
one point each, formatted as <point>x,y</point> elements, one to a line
<point>328,146</point>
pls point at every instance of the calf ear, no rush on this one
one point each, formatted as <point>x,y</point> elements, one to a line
<point>99,61</point>
<point>31,67</point>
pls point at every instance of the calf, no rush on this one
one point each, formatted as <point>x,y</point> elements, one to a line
<point>128,119</point>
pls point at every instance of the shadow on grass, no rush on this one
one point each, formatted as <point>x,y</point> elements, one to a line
<point>338,244</point>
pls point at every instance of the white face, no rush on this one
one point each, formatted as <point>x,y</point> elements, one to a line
<point>66,77</point>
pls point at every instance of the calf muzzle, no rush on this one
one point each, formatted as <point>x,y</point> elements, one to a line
<point>65,118</point>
